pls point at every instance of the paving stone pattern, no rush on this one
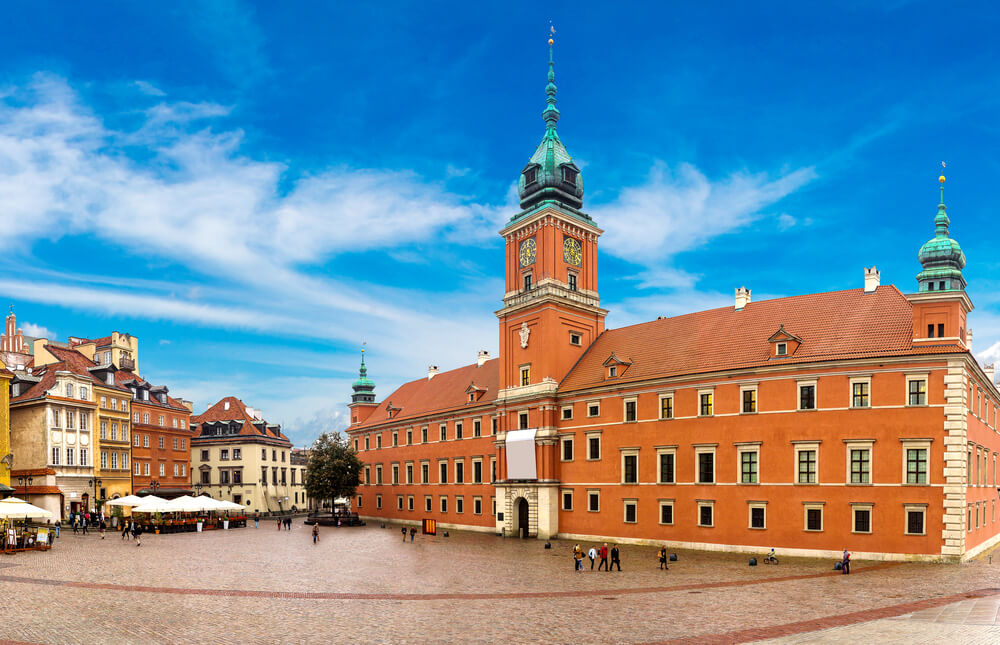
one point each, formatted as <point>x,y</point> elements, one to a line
<point>366,585</point>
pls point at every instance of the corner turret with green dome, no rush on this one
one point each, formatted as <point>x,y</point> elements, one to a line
<point>551,175</point>
<point>364,387</point>
<point>941,256</point>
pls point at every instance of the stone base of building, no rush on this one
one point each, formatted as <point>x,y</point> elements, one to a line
<point>529,509</point>
<point>375,519</point>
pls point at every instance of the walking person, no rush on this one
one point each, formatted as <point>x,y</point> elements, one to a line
<point>137,534</point>
<point>279,523</point>
<point>663,558</point>
<point>592,554</point>
<point>577,558</point>
<point>604,558</point>
<point>615,555</point>
<point>404,534</point>
<point>256,520</point>
<point>845,563</point>
<point>84,524</point>
<point>413,532</point>
<point>75,522</point>
<point>125,529</point>
<point>103,525</point>
<point>315,533</point>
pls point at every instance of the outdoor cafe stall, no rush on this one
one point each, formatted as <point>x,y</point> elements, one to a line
<point>17,532</point>
<point>188,514</point>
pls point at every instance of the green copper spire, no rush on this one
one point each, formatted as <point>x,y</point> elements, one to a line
<point>941,256</point>
<point>364,387</point>
<point>551,174</point>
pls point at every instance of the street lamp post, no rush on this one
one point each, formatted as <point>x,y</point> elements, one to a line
<point>25,482</point>
<point>96,483</point>
<point>197,488</point>
<point>155,485</point>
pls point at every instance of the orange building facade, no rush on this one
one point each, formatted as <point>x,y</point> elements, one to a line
<point>853,419</point>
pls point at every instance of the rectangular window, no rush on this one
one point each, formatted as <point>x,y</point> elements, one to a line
<point>525,375</point>
<point>749,401</point>
<point>807,397</point>
<point>459,472</point>
<point>630,411</point>
<point>748,466</point>
<point>860,394</point>
<point>495,424</point>
<point>459,504</point>
<point>631,507</point>
<point>162,471</point>
<point>69,456</point>
<point>378,474</point>
<point>861,466</point>
<point>630,468</point>
<point>593,501</point>
<point>443,467</point>
<point>594,447</point>
<point>145,469</point>
<point>916,465</point>
<point>814,518</point>
<point>378,501</point>
<point>458,430</point>
<point>428,503</point>
<point>423,434</point>
<point>443,430</point>
<point>667,512</point>
<point>706,467</point>
<point>572,281</point>
<point>138,468</point>
<point>395,439</point>
<point>575,338</point>
<point>917,391</point>
<point>862,518</point>
<point>145,418</point>
<point>104,429</point>
<point>395,474</point>
<point>409,502</point>
<point>594,409</point>
<point>527,282</point>
<point>477,471</point>
<point>567,413</point>
<point>161,443</point>
<point>378,442</point>
<point>522,420</point>
<point>135,440</point>
<point>806,466</point>
<point>114,460</point>
<point>444,504</point>
<point>409,437</point>
<point>567,500</point>
<point>145,441</point>
<point>758,516</point>
<point>70,418</point>
<point>477,428</point>
<point>666,467</point>
<point>104,459</point>
<point>425,473</point>
<point>477,505</point>
<point>567,449</point>
<point>705,408</point>
<point>114,433</point>
<point>409,473</point>
<point>399,502</point>
<point>915,521</point>
<point>705,514</point>
<point>667,407</point>
<point>84,457</point>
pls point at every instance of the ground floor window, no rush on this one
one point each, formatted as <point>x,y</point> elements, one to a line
<point>758,514</point>
<point>667,511</point>
<point>814,517</point>
<point>359,501</point>
<point>428,505</point>
<point>399,502</point>
<point>459,504</point>
<point>915,520</point>
<point>593,501</point>
<point>477,505</point>
<point>567,500</point>
<point>862,518</point>
<point>444,503</point>
<point>378,501</point>
<point>631,511</point>
<point>706,513</point>
<point>409,502</point>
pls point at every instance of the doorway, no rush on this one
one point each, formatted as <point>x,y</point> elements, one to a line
<point>521,515</point>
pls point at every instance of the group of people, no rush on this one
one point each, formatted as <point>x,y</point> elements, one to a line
<point>413,533</point>
<point>132,530</point>
<point>594,553</point>
<point>283,522</point>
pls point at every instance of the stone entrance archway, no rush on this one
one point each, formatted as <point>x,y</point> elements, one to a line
<point>522,524</point>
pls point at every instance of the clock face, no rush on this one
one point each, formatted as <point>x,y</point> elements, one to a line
<point>572,251</point>
<point>527,252</point>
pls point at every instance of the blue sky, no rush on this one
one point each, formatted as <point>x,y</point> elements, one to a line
<point>255,189</point>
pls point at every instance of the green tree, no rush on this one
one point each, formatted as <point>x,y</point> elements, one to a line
<point>334,468</point>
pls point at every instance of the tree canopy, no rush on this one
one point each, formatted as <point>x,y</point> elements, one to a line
<point>334,468</point>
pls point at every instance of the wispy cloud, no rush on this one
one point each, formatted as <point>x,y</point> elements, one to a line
<point>38,331</point>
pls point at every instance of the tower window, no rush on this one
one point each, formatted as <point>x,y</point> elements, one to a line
<point>530,176</point>
<point>575,339</point>
<point>940,330</point>
<point>527,282</point>
<point>569,175</point>
<point>572,282</point>
<point>525,375</point>
<point>930,331</point>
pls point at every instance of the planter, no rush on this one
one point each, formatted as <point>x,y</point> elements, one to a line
<point>225,524</point>
<point>199,527</point>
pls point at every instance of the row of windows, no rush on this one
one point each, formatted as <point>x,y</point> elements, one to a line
<point>425,471</point>
<point>71,455</point>
<point>979,472</point>
<point>179,443</point>
<point>70,419</point>
<point>806,465</point>
<point>117,460</point>
<point>142,468</point>
<point>114,430</point>
<point>115,403</point>
<point>176,422</point>
<point>977,514</point>
<point>443,503</point>
<point>274,475</point>
<point>69,390</point>
<point>409,437</point>
<point>861,513</point>
<point>235,476</point>
<point>981,406</point>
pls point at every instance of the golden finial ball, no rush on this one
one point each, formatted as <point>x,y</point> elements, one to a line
<point>941,179</point>
<point>551,41</point>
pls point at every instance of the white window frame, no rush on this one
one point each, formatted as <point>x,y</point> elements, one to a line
<point>916,444</point>
<point>594,434</point>
<point>863,506</point>
<point>802,446</point>
<point>781,349</point>
<point>634,400</point>
<point>925,377</point>
<point>592,492</point>
<point>563,492</point>
<point>563,440</point>
<point>907,509</point>
<point>659,402</point>
<point>743,447</point>
<point>812,506</point>
<point>750,387</point>
<point>859,444</point>
<point>659,512</point>
<point>798,394</point>
<point>711,392</point>
<point>752,504</point>
<point>563,413</point>
<point>634,503</point>
<point>665,450</point>
<point>477,503</point>
<point>631,451</point>
<point>590,404</point>
<point>703,503</point>
<point>428,503</point>
<point>866,380</point>
<point>701,449</point>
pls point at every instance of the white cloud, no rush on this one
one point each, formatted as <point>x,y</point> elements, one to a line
<point>678,211</point>
<point>990,355</point>
<point>148,88</point>
<point>37,331</point>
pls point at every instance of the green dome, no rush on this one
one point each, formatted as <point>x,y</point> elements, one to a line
<point>941,256</point>
<point>364,387</point>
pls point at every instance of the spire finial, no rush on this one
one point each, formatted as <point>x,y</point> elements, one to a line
<point>551,113</point>
<point>941,181</point>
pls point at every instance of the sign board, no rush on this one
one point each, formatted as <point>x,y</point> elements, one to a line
<point>430,527</point>
<point>43,536</point>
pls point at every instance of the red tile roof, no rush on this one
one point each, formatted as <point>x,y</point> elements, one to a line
<point>446,391</point>
<point>79,364</point>
<point>834,325</point>
<point>124,377</point>
<point>237,411</point>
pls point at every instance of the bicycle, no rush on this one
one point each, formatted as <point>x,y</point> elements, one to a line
<point>770,559</point>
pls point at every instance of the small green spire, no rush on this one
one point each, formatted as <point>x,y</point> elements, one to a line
<point>364,387</point>
<point>551,113</point>
<point>941,257</point>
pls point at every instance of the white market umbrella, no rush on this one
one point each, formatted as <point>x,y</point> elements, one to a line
<point>128,500</point>
<point>151,498</point>
<point>225,505</point>
<point>159,506</point>
<point>187,504</point>
<point>14,507</point>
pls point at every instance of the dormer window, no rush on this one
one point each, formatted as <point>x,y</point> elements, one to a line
<point>783,343</point>
<point>613,371</point>
<point>530,175</point>
<point>781,349</point>
<point>569,175</point>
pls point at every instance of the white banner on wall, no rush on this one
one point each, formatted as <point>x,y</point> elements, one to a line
<point>520,448</point>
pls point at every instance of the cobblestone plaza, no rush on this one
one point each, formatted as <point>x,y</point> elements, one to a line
<point>368,585</point>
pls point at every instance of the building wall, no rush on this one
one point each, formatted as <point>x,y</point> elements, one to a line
<point>113,442</point>
<point>982,517</point>
<point>29,429</point>
<point>151,435</point>
<point>258,498</point>
<point>4,426</point>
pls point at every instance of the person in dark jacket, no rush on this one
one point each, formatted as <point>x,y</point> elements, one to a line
<point>615,557</point>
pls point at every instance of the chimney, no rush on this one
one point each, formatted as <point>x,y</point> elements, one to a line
<point>482,358</point>
<point>225,406</point>
<point>872,279</point>
<point>432,371</point>
<point>990,373</point>
<point>742,298</point>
